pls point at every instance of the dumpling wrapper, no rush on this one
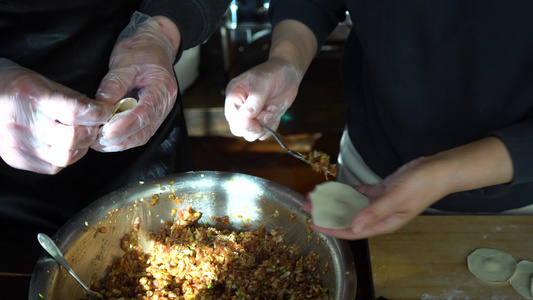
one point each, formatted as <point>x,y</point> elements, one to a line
<point>521,280</point>
<point>122,106</point>
<point>334,204</point>
<point>491,265</point>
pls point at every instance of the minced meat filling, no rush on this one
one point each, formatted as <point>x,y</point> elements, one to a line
<point>320,162</point>
<point>192,261</point>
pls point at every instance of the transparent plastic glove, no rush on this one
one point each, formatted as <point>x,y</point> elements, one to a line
<point>262,94</point>
<point>44,126</point>
<point>141,61</point>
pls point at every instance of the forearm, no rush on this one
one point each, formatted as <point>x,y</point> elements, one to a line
<point>294,43</point>
<point>476,165</point>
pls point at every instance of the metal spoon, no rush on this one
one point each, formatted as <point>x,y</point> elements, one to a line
<point>289,150</point>
<point>48,244</point>
<point>282,144</point>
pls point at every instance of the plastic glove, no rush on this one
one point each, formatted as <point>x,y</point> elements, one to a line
<point>44,126</point>
<point>141,61</point>
<point>262,94</point>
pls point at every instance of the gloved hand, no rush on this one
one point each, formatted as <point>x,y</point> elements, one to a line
<point>44,126</point>
<point>141,61</point>
<point>262,94</point>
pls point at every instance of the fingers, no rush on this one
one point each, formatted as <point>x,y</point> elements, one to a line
<point>157,91</point>
<point>139,138</point>
<point>62,130</point>
<point>136,126</point>
<point>241,124</point>
<point>124,126</point>
<point>116,84</point>
<point>386,213</point>
<point>32,100</point>
<point>62,136</point>
<point>401,197</point>
<point>307,206</point>
<point>20,149</point>
<point>346,234</point>
<point>261,95</point>
<point>45,126</point>
<point>371,222</point>
<point>37,140</point>
<point>365,226</point>
<point>19,159</point>
<point>244,108</point>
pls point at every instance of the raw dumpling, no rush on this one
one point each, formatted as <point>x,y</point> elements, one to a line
<point>123,106</point>
<point>521,280</point>
<point>491,265</point>
<point>334,204</point>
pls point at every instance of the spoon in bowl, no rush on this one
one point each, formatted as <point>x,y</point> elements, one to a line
<point>48,244</point>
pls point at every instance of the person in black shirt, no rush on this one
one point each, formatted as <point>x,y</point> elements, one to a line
<point>440,102</point>
<point>63,66</point>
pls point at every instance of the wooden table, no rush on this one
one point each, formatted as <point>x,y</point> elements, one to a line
<point>427,258</point>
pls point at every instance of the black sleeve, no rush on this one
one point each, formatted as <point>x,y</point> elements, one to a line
<point>196,19</point>
<point>321,17</point>
<point>518,138</point>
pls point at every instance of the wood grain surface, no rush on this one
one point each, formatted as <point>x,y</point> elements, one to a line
<point>427,258</point>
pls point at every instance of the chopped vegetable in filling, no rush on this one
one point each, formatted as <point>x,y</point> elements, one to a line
<point>192,261</point>
<point>320,162</point>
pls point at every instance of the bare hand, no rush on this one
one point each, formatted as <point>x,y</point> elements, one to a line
<point>401,197</point>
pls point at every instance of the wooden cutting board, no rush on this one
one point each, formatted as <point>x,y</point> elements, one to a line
<point>427,258</point>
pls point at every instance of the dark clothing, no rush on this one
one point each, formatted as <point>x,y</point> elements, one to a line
<point>421,77</point>
<point>70,42</point>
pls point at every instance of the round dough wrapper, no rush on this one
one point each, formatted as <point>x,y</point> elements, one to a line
<point>123,106</point>
<point>522,277</point>
<point>491,265</point>
<point>334,204</point>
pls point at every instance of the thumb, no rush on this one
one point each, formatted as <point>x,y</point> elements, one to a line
<point>76,111</point>
<point>253,105</point>
<point>115,85</point>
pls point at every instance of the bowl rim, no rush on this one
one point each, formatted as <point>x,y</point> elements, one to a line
<point>92,213</point>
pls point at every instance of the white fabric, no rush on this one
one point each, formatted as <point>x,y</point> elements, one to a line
<point>353,170</point>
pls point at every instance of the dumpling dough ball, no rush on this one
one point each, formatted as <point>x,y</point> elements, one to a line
<point>491,265</point>
<point>521,280</point>
<point>334,204</point>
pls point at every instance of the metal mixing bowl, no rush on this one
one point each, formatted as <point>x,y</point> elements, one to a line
<point>245,199</point>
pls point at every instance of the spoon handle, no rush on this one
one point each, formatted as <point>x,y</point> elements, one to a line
<point>48,244</point>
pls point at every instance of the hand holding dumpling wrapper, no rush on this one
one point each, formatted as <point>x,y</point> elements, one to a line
<point>334,204</point>
<point>141,61</point>
<point>121,108</point>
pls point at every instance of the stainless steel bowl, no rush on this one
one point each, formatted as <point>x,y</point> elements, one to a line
<point>244,198</point>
